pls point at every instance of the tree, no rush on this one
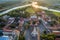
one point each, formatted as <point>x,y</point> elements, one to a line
<point>2,23</point>
<point>25,15</point>
<point>21,37</point>
<point>1,34</point>
<point>44,37</point>
<point>13,25</point>
<point>26,25</point>
<point>49,36</point>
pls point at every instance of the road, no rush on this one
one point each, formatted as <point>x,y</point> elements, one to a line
<point>29,36</point>
<point>41,29</point>
<point>45,8</point>
<point>36,6</point>
<point>14,9</point>
<point>11,6</point>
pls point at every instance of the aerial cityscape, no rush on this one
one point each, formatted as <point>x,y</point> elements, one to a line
<point>29,19</point>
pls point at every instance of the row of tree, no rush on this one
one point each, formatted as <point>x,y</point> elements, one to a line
<point>23,12</point>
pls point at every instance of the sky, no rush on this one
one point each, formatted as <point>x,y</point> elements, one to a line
<point>46,1</point>
<point>3,1</point>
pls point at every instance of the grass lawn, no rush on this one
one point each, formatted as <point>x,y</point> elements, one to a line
<point>56,13</point>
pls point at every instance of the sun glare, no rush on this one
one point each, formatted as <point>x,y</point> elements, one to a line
<point>35,4</point>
